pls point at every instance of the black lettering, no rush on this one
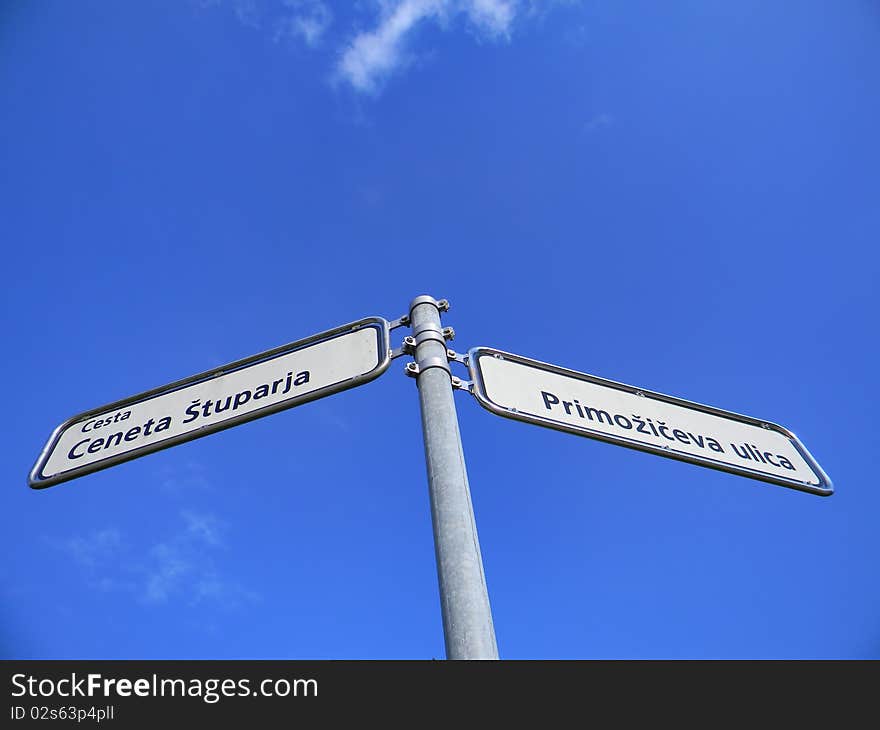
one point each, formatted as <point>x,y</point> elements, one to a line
<point>206,408</point>
<point>714,445</point>
<point>71,454</point>
<point>769,457</point>
<point>600,415</point>
<point>218,409</point>
<point>302,378</point>
<point>567,406</point>
<point>132,433</point>
<point>698,440</point>
<point>619,419</point>
<point>95,445</point>
<point>287,384</point>
<point>547,402</point>
<point>164,424</point>
<point>662,427</point>
<point>117,436</point>
<point>641,426</point>
<point>241,399</point>
<point>261,392</point>
<point>786,464</point>
<point>192,411</point>
<point>680,435</point>
<point>275,385</point>
<point>86,425</point>
<point>744,454</point>
<point>147,427</point>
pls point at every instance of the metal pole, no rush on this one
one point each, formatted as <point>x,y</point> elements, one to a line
<point>464,599</point>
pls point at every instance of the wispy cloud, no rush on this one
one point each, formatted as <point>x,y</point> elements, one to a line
<point>306,20</point>
<point>247,12</point>
<point>184,478</point>
<point>373,55</point>
<point>598,122</point>
<point>493,17</point>
<point>166,573</point>
<point>202,528</point>
<point>385,43</point>
<point>183,567</point>
<point>93,549</point>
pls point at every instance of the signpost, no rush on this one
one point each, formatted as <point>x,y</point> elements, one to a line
<point>241,391</point>
<point>548,395</point>
<point>506,384</point>
<point>468,629</point>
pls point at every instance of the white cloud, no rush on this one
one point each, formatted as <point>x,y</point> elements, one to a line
<point>166,573</point>
<point>93,549</point>
<point>202,527</point>
<point>492,16</point>
<point>248,13</point>
<point>598,122</point>
<point>308,21</point>
<point>183,567</point>
<point>179,569</point>
<point>375,54</point>
<point>181,479</point>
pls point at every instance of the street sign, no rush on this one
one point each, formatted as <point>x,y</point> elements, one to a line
<point>547,395</point>
<point>271,381</point>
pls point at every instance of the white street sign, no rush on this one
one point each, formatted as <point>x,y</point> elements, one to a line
<point>547,395</point>
<point>241,391</point>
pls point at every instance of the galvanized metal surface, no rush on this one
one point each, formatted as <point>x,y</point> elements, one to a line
<point>464,599</point>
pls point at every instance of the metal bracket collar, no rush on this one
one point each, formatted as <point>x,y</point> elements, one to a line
<point>441,304</point>
<point>428,333</point>
<point>412,370</point>
<point>431,362</point>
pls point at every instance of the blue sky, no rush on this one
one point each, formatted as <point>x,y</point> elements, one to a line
<point>681,196</point>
